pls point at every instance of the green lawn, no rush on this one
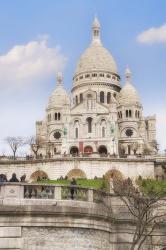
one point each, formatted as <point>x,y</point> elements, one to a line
<point>146,185</point>
<point>153,186</point>
<point>89,183</point>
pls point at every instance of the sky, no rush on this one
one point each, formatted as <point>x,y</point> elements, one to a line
<point>39,38</point>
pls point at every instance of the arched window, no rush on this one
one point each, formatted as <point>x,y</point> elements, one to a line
<point>81,97</point>
<point>89,120</point>
<point>108,97</point>
<point>103,132</point>
<point>76,99</point>
<point>76,126</point>
<point>127,113</point>
<point>59,116</point>
<point>120,114</point>
<point>56,117</point>
<point>49,117</point>
<point>129,149</point>
<point>102,97</point>
<point>76,133</point>
<point>136,113</point>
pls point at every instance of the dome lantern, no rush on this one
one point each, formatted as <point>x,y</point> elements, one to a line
<point>128,74</point>
<point>59,79</point>
<point>96,31</point>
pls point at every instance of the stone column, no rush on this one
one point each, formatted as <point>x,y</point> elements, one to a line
<point>58,193</point>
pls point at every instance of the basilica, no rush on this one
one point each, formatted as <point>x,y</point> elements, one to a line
<point>101,116</point>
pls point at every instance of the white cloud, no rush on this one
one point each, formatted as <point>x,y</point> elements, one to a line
<point>153,35</point>
<point>25,63</point>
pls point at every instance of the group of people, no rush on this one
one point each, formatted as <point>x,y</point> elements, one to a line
<point>14,178</point>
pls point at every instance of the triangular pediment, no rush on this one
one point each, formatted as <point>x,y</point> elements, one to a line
<point>82,108</point>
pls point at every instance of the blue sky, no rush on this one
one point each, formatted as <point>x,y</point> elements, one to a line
<point>38,38</point>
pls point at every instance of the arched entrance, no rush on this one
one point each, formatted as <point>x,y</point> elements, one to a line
<point>74,150</point>
<point>39,175</point>
<point>76,173</point>
<point>88,150</point>
<point>114,174</point>
<point>102,150</point>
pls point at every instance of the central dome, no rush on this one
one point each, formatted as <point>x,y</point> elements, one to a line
<point>96,57</point>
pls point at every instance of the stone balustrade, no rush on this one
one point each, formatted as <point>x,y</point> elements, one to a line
<point>14,193</point>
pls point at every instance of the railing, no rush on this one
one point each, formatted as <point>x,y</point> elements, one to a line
<point>38,192</point>
<point>23,192</point>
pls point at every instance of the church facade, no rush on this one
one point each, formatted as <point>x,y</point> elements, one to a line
<point>99,117</point>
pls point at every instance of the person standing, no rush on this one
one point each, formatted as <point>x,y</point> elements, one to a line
<point>14,178</point>
<point>73,190</point>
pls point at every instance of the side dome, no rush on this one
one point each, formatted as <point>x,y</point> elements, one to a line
<point>128,94</point>
<point>96,57</point>
<point>59,97</point>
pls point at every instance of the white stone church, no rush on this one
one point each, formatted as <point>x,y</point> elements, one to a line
<point>100,117</point>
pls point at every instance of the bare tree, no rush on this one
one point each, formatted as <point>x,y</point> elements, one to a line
<point>35,144</point>
<point>15,143</point>
<point>147,210</point>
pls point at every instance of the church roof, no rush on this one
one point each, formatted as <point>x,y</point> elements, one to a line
<point>96,57</point>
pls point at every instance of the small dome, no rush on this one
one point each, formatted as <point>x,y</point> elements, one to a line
<point>59,97</point>
<point>128,94</point>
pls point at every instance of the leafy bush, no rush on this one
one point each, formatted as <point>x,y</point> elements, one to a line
<point>150,186</point>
